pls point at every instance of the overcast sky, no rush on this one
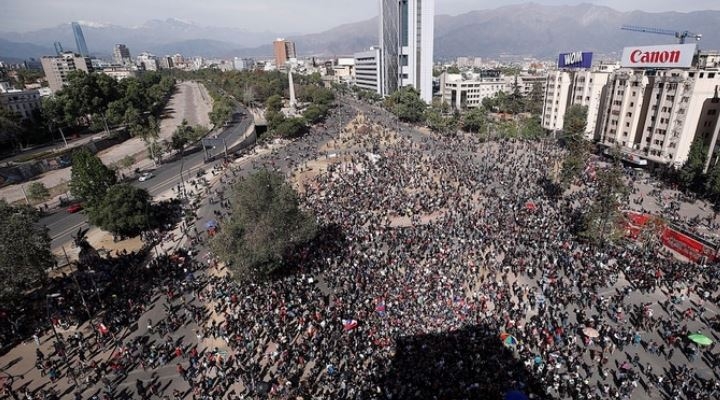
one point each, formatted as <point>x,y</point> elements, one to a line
<point>298,16</point>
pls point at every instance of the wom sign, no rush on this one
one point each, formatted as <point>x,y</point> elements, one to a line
<point>667,56</point>
<point>577,59</point>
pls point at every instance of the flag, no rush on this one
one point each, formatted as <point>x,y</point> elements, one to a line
<point>349,324</point>
<point>103,329</point>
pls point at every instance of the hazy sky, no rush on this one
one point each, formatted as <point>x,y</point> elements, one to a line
<point>301,16</point>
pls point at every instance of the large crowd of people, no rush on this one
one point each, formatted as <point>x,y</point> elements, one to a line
<point>443,270</point>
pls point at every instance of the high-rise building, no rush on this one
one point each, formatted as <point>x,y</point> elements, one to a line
<point>660,100</point>
<point>284,51</point>
<point>406,40</point>
<point>121,55</point>
<point>58,67</point>
<point>575,86</point>
<point>58,48</point>
<point>80,40</point>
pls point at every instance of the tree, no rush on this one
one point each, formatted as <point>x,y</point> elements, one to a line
<point>37,192</point>
<point>691,172</point>
<point>576,145</point>
<point>182,136</point>
<point>475,120</point>
<point>534,100</point>
<point>89,177</point>
<point>221,111</point>
<point>315,113</point>
<point>712,183</point>
<point>10,128</point>
<point>439,123</point>
<point>406,104</point>
<point>575,121</point>
<point>274,103</point>
<point>127,161</point>
<point>603,222</point>
<point>291,128</point>
<point>265,226</point>
<point>25,254</point>
<point>124,210</point>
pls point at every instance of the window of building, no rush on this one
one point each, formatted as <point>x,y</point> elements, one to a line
<point>629,114</point>
<point>691,75</point>
<point>702,74</point>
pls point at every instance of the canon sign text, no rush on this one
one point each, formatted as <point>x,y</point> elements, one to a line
<point>669,56</point>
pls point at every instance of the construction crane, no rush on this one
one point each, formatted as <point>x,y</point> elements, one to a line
<point>680,35</point>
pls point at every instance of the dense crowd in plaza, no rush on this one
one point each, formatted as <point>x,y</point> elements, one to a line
<point>443,270</point>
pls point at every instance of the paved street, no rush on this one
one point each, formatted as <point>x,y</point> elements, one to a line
<point>508,270</point>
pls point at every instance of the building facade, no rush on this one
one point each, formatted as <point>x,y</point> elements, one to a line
<point>468,90</point>
<point>568,87</point>
<point>284,51</point>
<point>80,40</point>
<point>368,74</point>
<point>22,102</point>
<point>655,112</point>
<point>57,68</point>
<point>121,55</point>
<point>243,64</point>
<point>147,62</point>
<point>406,40</point>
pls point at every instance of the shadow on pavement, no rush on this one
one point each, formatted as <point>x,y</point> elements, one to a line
<point>471,363</point>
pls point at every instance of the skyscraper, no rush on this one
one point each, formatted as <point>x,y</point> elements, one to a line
<point>80,40</point>
<point>406,40</point>
<point>284,51</point>
<point>121,55</point>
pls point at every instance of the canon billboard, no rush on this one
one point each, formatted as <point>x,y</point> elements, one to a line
<point>577,59</point>
<point>666,56</point>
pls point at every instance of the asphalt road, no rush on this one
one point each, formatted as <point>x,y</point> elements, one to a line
<point>63,225</point>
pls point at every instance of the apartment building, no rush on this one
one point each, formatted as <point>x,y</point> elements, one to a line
<point>661,99</point>
<point>575,82</point>
<point>58,67</point>
<point>467,90</point>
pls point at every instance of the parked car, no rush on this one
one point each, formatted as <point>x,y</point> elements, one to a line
<point>145,176</point>
<point>73,208</point>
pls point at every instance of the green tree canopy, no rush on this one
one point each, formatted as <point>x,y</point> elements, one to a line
<point>291,128</point>
<point>406,104</point>
<point>475,120</point>
<point>25,254</point>
<point>315,113</point>
<point>265,225</point>
<point>691,173</point>
<point>575,121</point>
<point>89,177</point>
<point>124,210</point>
<point>37,192</point>
<point>603,221</point>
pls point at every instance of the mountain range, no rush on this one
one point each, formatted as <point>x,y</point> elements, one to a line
<point>519,30</point>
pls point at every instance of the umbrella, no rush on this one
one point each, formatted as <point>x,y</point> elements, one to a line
<point>515,395</point>
<point>211,224</point>
<point>591,332</point>
<point>510,341</point>
<point>700,339</point>
<point>626,366</point>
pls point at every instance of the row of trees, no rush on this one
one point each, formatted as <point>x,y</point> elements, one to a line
<point>409,107</point>
<point>693,176</point>
<point>95,100</point>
